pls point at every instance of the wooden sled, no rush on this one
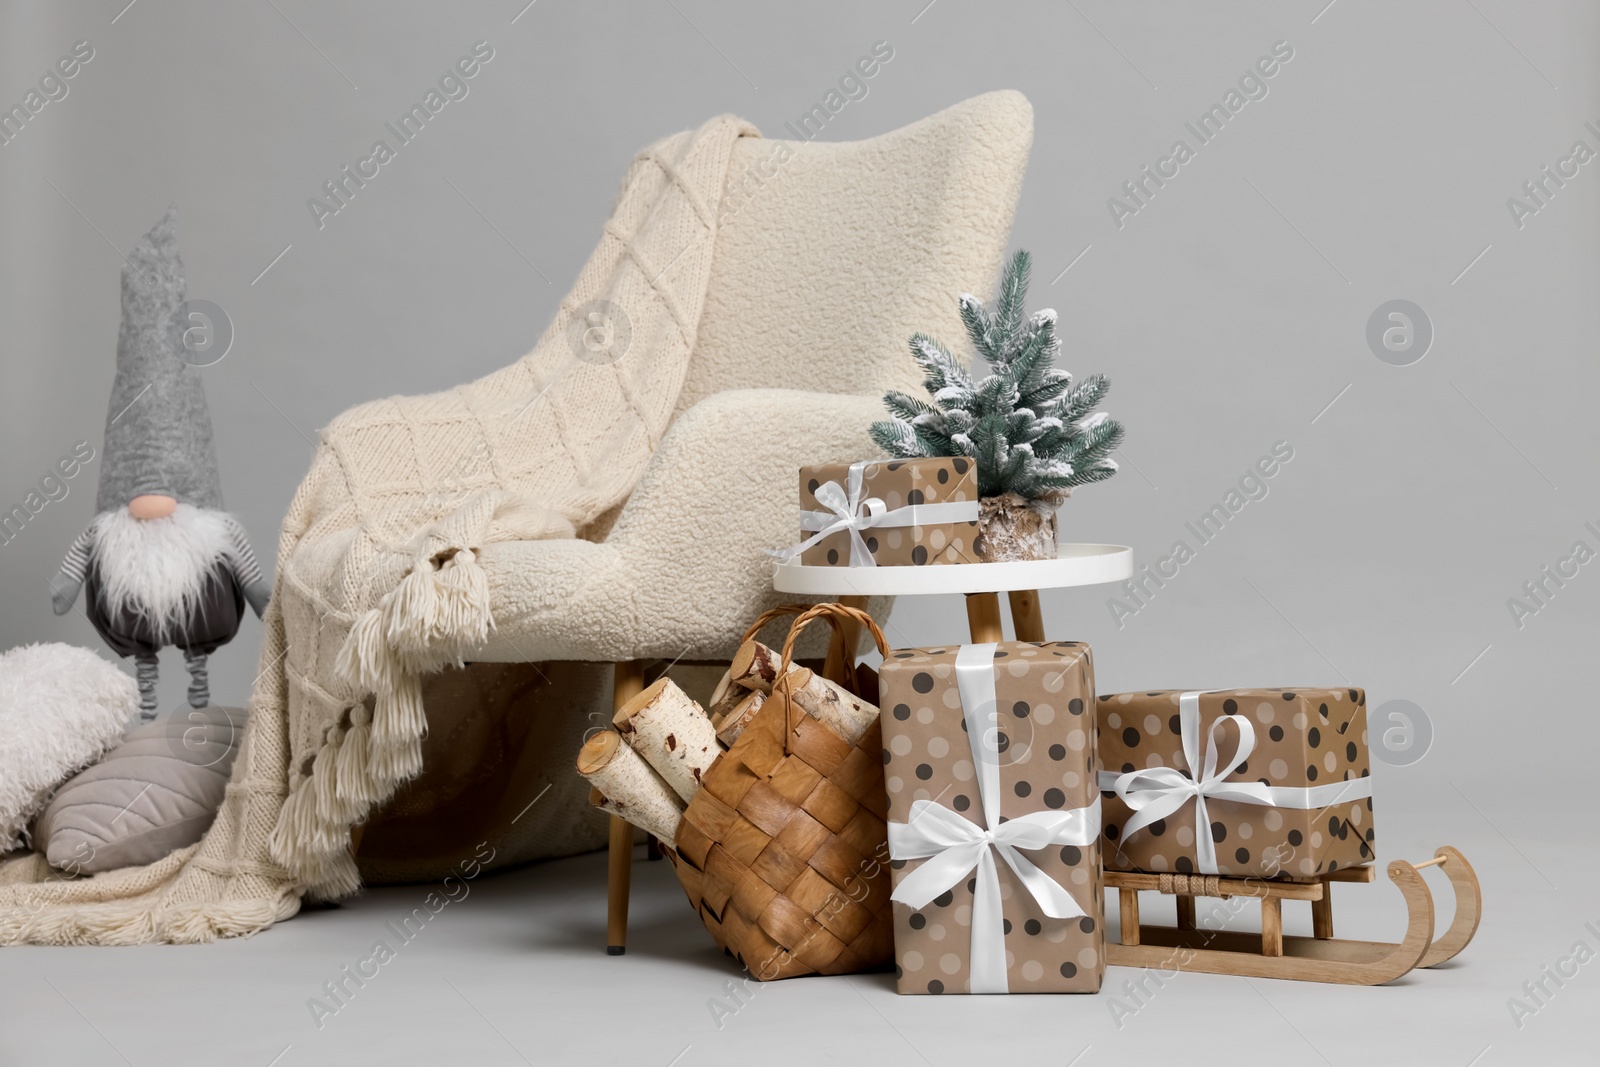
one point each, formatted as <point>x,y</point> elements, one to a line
<point>1271,954</point>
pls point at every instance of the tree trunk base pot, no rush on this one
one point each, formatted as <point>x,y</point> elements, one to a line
<point>1011,528</point>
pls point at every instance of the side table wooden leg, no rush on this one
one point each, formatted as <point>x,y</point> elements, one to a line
<point>983,617</point>
<point>841,662</point>
<point>1186,913</point>
<point>628,682</point>
<point>1026,618</point>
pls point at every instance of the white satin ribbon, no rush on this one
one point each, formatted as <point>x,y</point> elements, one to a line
<point>952,845</point>
<point>1156,792</point>
<point>847,510</point>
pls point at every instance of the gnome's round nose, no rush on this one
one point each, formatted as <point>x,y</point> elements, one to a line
<point>152,506</point>
<point>159,451</point>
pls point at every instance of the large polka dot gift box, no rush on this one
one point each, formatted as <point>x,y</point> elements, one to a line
<point>994,818</point>
<point>899,512</point>
<point>1246,783</point>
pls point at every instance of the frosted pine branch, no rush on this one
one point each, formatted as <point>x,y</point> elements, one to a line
<point>1027,426</point>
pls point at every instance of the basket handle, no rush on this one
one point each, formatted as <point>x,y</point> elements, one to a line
<point>837,615</point>
<point>776,613</point>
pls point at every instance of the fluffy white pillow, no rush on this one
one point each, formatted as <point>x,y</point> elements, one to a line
<point>61,709</point>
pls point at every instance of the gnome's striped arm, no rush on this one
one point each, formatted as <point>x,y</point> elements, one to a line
<point>65,585</point>
<point>245,568</point>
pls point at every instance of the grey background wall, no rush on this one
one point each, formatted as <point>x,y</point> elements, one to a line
<point>1231,310</point>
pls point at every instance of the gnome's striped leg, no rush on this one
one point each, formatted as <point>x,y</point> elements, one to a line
<point>146,668</point>
<point>199,682</point>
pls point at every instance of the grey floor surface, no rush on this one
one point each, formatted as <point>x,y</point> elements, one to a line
<point>512,973</point>
<point>1407,549</point>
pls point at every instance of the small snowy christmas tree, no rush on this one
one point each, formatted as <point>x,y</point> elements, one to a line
<point>1032,432</point>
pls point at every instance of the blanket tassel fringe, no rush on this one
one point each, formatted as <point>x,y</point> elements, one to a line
<point>425,624</point>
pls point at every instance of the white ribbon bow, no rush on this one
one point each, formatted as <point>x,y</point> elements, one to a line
<point>953,845</point>
<point>847,510</point>
<point>1156,792</point>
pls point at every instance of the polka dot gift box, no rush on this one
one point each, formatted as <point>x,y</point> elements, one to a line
<point>903,512</point>
<point>994,818</point>
<point>1245,783</point>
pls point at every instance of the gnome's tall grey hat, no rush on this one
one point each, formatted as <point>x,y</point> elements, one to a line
<point>158,429</point>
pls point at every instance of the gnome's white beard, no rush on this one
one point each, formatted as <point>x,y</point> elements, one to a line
<point>157,568</point>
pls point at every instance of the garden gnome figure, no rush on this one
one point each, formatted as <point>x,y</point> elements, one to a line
<point>164,565</point>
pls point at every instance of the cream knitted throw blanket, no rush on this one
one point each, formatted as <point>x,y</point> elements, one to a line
<point>377,581</point>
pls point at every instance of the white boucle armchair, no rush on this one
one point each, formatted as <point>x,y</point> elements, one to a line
<point>830,255</point>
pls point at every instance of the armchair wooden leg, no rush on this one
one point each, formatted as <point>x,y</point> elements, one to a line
<point>619,873</point>
<point>628,682</point>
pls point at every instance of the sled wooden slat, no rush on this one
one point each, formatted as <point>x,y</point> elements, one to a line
<point>1227,887</point>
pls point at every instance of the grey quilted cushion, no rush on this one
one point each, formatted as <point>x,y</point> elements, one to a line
<point>157,791</point>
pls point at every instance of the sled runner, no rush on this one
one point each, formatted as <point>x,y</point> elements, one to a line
<point>1271,954</point>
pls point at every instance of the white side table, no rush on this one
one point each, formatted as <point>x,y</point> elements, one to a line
<point>1075,564</point>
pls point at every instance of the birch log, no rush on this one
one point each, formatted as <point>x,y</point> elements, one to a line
<point>672,733</point>
<point>724,684</point>
<point>628,787</point>
<point>848,715</point>
<point>598,801</point>
<point>724,698</point>
<point>755,666</point>
<point>735,721</point>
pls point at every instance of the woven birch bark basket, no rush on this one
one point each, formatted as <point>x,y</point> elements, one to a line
<point>783,853</point>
